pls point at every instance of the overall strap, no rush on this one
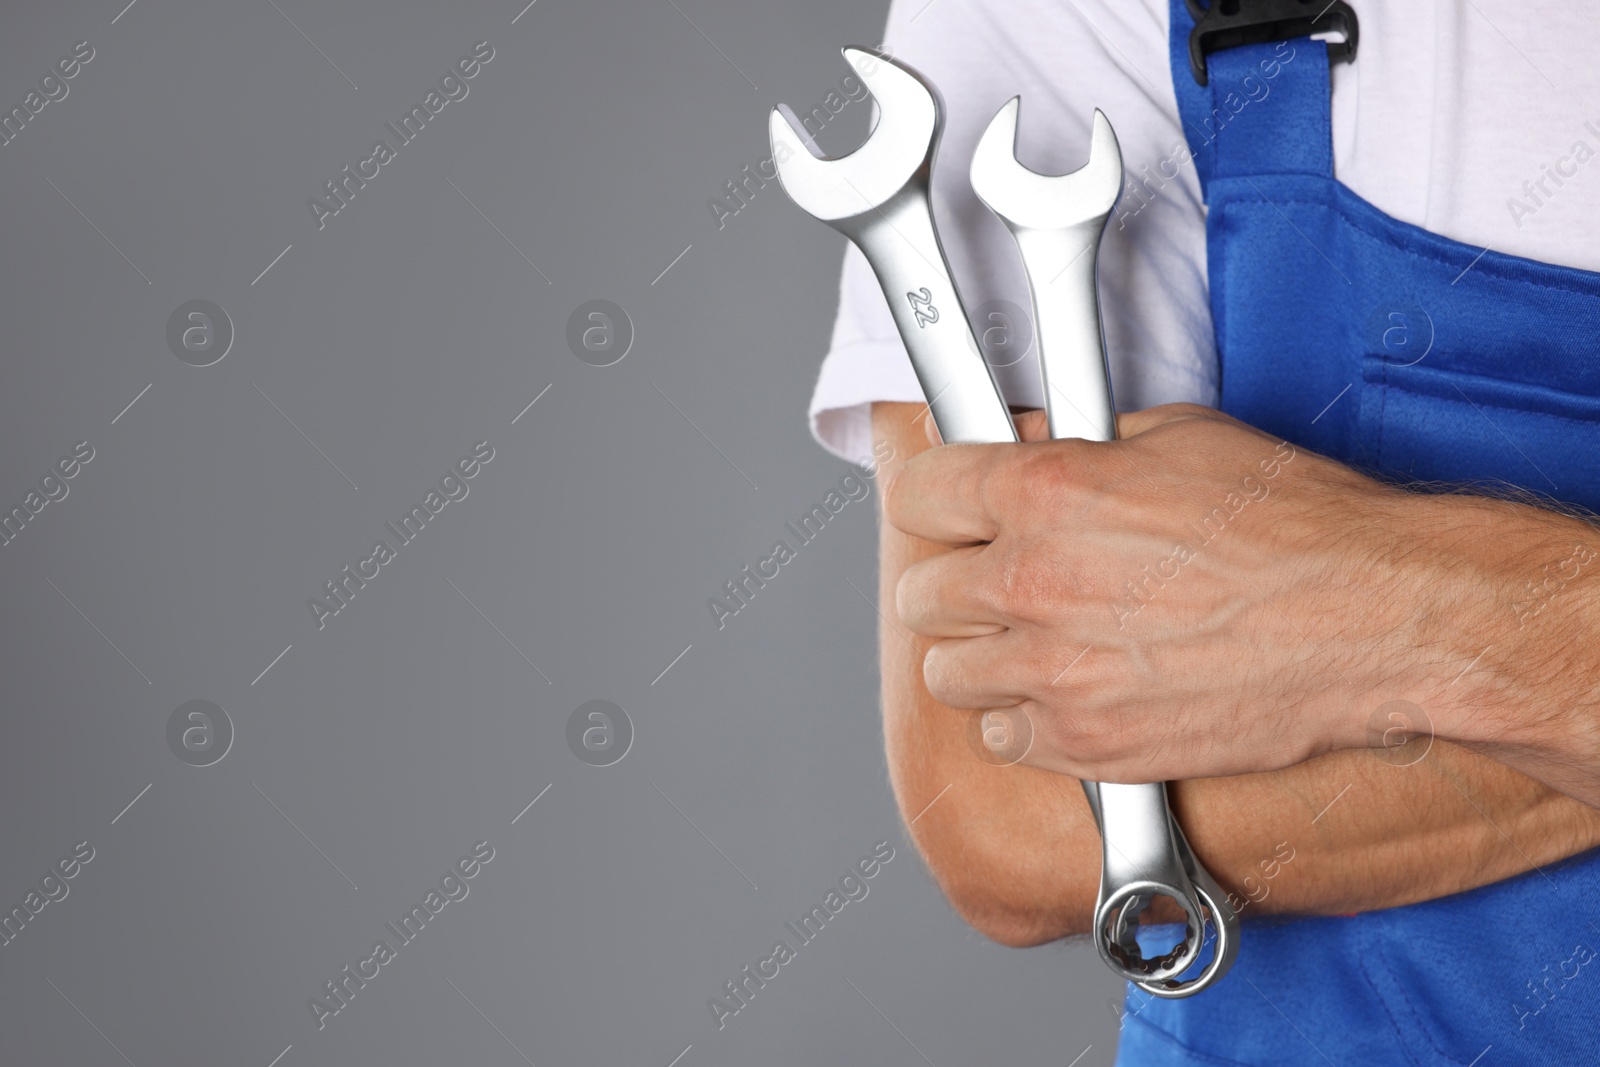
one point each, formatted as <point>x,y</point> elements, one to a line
<point>1264,109</point>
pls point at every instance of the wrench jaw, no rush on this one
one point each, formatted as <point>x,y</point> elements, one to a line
<point>1224,921</point>
<point>878,197</point>
<point>897,153</point>
<point>1027,200</point>
<point>1136,869</point>
<point>1056,221</point>
<point>1141,859</point>
<point>1117,923</point>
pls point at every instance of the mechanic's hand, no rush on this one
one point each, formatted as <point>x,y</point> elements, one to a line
<point>1196,599</point>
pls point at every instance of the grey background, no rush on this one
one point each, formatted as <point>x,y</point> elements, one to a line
<point>376,751</point>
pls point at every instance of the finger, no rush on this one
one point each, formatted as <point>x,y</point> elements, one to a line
<point>1032,425</point>
<point>1133,423</point>
<point>940,596</point>
<point>939,495</point>
<point>976,673</point>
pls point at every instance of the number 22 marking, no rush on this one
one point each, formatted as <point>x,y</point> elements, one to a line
<point>922,305</point>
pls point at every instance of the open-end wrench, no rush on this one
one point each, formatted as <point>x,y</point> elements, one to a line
<point>1057,221</point>
<point>877,196</point>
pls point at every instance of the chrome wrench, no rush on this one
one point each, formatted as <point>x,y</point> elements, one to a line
<point>1057,221</point>
<point>877,196</point>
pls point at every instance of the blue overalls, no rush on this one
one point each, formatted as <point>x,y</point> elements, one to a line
<point>1420,358</point>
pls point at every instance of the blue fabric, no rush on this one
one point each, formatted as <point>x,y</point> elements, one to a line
<point>1421,359</point>
<point>1514,965</point>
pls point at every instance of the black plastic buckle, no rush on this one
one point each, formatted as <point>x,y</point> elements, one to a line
<point>1231,23</point>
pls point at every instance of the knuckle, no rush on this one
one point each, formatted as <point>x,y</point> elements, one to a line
<point>1001,481</point>
<point>1042,664</point>
<point>1067,736</point>
<point>1051,470</point>
<point>1021,484</point>
<point>1017,585</point>
<point>1090,739</point>
<point>999,588</point>
<point>1031,584</point>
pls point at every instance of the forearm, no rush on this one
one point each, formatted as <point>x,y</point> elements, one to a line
<point>1016,851</point>
<point>1520,603</point>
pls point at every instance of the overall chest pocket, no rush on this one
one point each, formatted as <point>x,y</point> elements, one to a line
<point>1495,385</point>
<point>1466,367</point>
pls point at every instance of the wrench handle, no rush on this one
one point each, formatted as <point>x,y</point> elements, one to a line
<point>901,244</point>
<point>1143,850</point>
<point>1072,352</point>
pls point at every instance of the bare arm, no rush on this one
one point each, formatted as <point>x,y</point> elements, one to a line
<point>1015,850</point>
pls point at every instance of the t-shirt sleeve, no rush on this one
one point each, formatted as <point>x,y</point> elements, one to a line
<point>1064,60</point>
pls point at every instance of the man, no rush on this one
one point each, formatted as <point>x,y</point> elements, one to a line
<point>1395,274</point>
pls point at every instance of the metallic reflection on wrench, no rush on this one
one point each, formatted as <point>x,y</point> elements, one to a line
<point>1057,221</point>
<point>877,196</point>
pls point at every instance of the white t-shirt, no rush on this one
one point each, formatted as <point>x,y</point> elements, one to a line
<point>1451,117</point>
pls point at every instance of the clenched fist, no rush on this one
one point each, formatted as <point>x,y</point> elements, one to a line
<point>1200,599</point>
